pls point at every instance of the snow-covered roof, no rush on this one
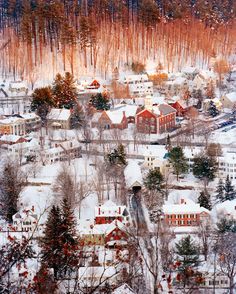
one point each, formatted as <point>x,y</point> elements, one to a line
<point>11,120</point>
<point>231,96</point>
<point>59,114</point>
<point>188,206</point>
<point>67,145</point>
<point>10,138</point>
<point>130,110</point>
<point>54,150</point>
<point>18,85</point>
<point>25,213</point>
<point>187,103</point>
<point>165,109</point>
<point>133,78</point>
<point>124,289</point>
<point>101,229</point>
<point>189,70</point>
<point>133,174</point>
<point>227,208</point>
<point>109,208</point>
<point>206,74</point>
<point>30,115</point>
<point>115,116</point>
<point>96,272</point>
<point>177,81</point>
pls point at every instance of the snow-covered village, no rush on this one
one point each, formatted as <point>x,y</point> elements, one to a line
<point>117,147</point>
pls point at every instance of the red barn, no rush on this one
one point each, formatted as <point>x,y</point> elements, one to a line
<point>158,120</point>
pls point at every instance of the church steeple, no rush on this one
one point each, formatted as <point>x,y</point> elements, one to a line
<point>148,102</point>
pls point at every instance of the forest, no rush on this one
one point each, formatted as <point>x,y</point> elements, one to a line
<point>43,37</point>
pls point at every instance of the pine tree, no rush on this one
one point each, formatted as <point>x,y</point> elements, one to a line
<point>220,191</point>
<point>100,102</point>
<point>204,168</point>
<point>51,241</point>
<point>154,180</point>
<point>178,161</point>
<point>188,257</point>
<point>64,91</point>
<point>226,226</point>
<point>212,109</point>
<point>69,239</point>
<point>12,182</point>
<point>78,116</point>
<point>230,193</point>
<point>204,200</point>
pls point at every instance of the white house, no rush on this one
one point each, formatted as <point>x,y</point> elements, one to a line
<point>203,79</point>
<point>139,85</point>
<point>25,220</point>
<point>228,100</point>
<point>109,211</point>
<point>32,121</point>
<point>59,118</point>
<point>12,125</point>
<point>227,164</point>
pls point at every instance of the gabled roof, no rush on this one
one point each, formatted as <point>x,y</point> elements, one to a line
<point>231,96</point>
<point>133,175</point>
<point>59,114</point>
<point>188,206</point>
<point>124,289</point>
<point>109,208</point>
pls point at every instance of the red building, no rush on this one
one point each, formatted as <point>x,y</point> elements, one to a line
<point>157,120</point>
<point>182,106</point>
<point>110,119</point>
<point>94,85</point>
<point>109,211</point>
<point>186,213</point>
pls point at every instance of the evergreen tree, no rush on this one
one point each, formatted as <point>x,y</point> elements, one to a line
<point>204,168</point>
<point>204,200</point>
<point>212,110</point>
<point>51,241</point>
<point>69,239</point>
<point>42,100</point>
<point>12,182</point>
<point>78,116</point>
<point>100,102</point>
<point>230,193</point>
<point>226,226</point>
<point>154,180</point>
<point>188,257</point>
<point>64,91</point>
<point>178,161</point>
<point>220,191</point>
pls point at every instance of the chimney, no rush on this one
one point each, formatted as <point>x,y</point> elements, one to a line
<point>182,201</point>
<point>99,210</point>
<point>32,208</point>
<point>119,210</point>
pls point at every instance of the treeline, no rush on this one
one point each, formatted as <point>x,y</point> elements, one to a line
<point>101,34</point>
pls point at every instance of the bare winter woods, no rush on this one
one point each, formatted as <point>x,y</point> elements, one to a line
<point>50,41</point>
